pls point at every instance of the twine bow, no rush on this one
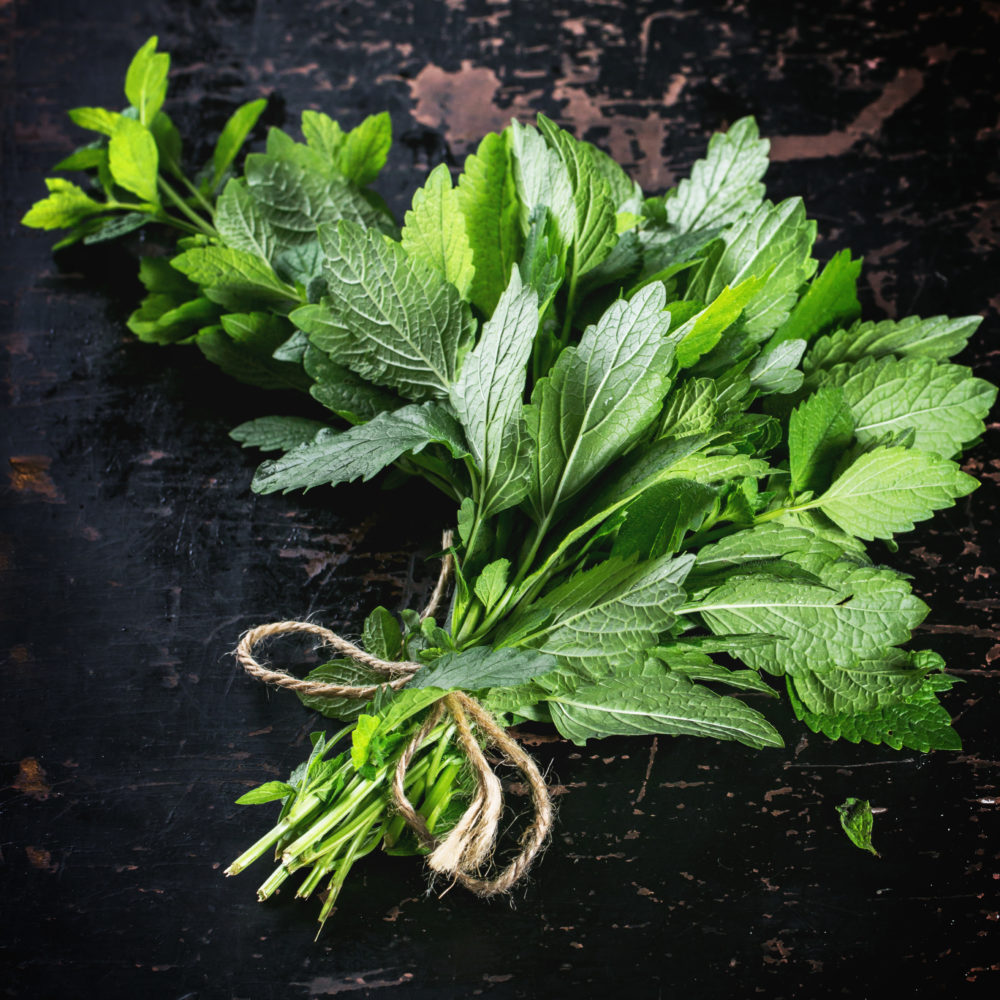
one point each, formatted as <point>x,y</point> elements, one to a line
<point>470,844</point>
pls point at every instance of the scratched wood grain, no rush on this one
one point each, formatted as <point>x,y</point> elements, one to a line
<point>132,554</point>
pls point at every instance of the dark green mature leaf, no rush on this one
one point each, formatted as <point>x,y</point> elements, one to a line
<point>382,636</point>
<point>640,702</point>
<point>435,231</point>
<point>819,431</point>
<point>937,337</point>
<point>344,392</point>
<point>239,125</point>
<point>777,370</point>
<point>487,398</point>
<point>363,451</point>
<point>235,279</point>
<point>487,198</point>
<point>393,320</point>
<point>856,820</point>
<point>886,490</point>
<point>241,222</point>
<point>244,346</point>
<point>480,667</point>
<point>346,673</point>
<point>600,398</point>
<point>942,403</point>
<point>276,433</point>
<point>657,520</point>
<point>725,185</point>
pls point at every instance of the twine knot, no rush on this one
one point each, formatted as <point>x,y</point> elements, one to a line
<point>470,844</point>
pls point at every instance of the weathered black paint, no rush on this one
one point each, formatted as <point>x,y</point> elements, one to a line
<point>132,553</point>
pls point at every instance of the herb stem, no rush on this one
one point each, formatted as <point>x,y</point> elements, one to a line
<point>186,209</point>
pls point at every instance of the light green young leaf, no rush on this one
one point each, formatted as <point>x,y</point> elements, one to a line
<point>942,403</point>
<point>599,398</point>
<point>725,185</point>
<point>887,489</point>
<point>65,206</point>
<point>541,178</point>
<point>134,159</point>
<point>773,244</point>
<point>146,81</point>
<point>699,334</point>
<point>690,409</point>
<point>364,150</point>
<point>393,320</point>
<point>487,397</point>
<point>363,451</point>
<point>830,301</point>
<point>937,337</point>
<point>487,198</point>
<point>819,431</point>
<point>324,135</point>
<point>241,223</point>
<point>235,278</point>
<point>95,119</point>
<point>232,137</point>
<point>492,582</point>
<point>658,701</point>
<point>276,433</point>
<point>168,143</point>
<point>434,231</point>
<point>270,791</point>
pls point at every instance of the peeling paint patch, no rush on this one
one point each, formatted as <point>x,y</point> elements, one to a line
<point>40,858</point>
<point>30,474</point>
<point>32,780</point>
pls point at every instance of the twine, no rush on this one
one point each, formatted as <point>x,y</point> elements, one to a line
<point>469,846</point>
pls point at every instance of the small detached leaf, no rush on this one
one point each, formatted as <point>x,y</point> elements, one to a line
<point>857,820</point>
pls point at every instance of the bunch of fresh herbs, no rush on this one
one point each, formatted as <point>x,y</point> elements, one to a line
<point>667,434</point>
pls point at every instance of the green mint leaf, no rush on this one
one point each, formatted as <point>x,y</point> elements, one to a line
<point>855,612</point>
<point>323,135</point>
<point>235,279</point>
<point>342,391</point>
<point>134,159</point>
<point>276,433</point>
<point>168,143</point>
<point>920,722</point>
<point>594,230</point>
<point>698,334</point>
<point>487,198</point>
<point>346,673</point>
<point>393,320</point>
<point>270,791</point>
<point>363,451</point>
<point>886,490</point>
<point>656,701</point>
<point>146,81</point>
<point>938,337</point>
<point>856,819</point>
<point>296,201</point>
<point>691,662</point>
<point>96,119</point>
<point>819,431</point>
<point>241,222</point>
<point>726,184</point>
<point>773,243</point>
<point>232,137</point>
<point>363,152</point>
<point>487,397</point>
<point>942,403</point>
<point>362,740</point>
<point>599,398</point>
<point>690,408</point>
<point>602,614</point>
<point>492,582</point>
<point>244,348</point>
<point>434,231</point>
<point>382,636</point>
<point>162,319</point>
<point>830,301</point>
<point>777,370</point>
<point>480,667</point>
<point>66,206</point>
<point>541,179</point>
<point>658,519</point>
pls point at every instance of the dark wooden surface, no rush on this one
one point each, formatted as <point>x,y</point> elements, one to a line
<point>132,553</point>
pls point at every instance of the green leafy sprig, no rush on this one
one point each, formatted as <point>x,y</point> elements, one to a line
<point>668,435</point>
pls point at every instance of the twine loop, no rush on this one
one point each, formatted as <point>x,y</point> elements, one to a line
<point>469,846</point>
